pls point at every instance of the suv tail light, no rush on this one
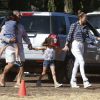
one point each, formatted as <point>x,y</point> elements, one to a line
<point>27,14</point>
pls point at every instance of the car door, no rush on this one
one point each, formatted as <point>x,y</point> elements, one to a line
<point>91,53</point>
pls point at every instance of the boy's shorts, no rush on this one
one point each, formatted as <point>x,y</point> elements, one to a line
<point>48,63</point>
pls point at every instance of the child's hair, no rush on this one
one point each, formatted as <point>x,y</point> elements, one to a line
<point>48,42</point>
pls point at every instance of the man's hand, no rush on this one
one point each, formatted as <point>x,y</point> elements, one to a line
<point>30,47</point>
<point>13,40</point>
<point>65,48</point>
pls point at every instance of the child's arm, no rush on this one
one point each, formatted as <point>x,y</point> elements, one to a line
<point>40,48</point>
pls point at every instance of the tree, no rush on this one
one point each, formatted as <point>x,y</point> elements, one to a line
<point>51,6</point>
<point>68,6</point>
<point>59,5</point>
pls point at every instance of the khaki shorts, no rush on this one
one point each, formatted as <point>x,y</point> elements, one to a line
<point>10,56</point>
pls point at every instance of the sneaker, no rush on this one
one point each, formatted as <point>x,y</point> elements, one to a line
<point>86,84</point>
<point>17,86</point>
<point>74,84</point>
<point>2,84</point>
<point>38,83</point>
<point>58,85</point>
<point>18,63</point>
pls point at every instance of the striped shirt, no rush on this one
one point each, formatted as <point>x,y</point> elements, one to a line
<point>77,32</point>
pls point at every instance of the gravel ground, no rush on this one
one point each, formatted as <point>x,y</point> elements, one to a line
<point>47,91</point>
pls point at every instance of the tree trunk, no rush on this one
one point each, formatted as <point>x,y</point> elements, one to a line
<point>68,6</point>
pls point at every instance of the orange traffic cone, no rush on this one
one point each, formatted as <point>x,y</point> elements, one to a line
<point>22,89</point>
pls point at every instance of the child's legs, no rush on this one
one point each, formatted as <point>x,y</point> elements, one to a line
<point>43,72</point>
<point>52,67</point>
<point>2,49</point>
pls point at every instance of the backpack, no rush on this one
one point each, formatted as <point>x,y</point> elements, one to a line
<point>56,39</point>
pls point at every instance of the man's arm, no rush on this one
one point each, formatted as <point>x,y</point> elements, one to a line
<point>26,39</point>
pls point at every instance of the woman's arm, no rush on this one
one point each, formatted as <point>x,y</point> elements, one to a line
<point>69,36</point>
<point>40,48</point>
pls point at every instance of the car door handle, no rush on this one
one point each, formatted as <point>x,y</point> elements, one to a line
<point>33,35</point>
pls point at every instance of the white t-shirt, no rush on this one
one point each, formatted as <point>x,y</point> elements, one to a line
<point>8,27</point>
<point>49,54</point>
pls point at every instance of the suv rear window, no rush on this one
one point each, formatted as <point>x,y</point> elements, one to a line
<point>38,24</point>
<point>72,20</point>
<point>94,20</point>
<point>44,24</point>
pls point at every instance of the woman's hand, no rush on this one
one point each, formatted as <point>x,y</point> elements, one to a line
<point>66,48</point>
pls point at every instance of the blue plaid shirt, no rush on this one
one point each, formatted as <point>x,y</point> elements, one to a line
<point>77,32</point>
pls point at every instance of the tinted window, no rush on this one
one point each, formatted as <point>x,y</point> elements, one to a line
<point>72,19</point>
<point>44,24</point>
<point>58,24</point>
<point>94,20</point>
<point>40,24</point>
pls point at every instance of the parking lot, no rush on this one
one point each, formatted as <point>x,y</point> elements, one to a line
<point>47,91</point>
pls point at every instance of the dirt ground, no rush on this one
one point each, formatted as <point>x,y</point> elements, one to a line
<point>48,92</point>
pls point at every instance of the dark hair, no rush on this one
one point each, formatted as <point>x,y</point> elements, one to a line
<point>80,13</point>
<point>10,13</point>
<point>12,17</point>
<point>48,41</point>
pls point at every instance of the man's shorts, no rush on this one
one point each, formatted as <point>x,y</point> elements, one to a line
<point>48,63</point>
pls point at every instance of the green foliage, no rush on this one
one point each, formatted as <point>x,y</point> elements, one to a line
<point>68,6</point>
<point>51,6</point>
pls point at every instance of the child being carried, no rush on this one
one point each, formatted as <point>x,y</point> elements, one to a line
<point>8,30</point>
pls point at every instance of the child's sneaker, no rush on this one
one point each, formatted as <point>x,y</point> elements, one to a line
<point>74,84</point>
<point>86,84</point>
<point>58,85</point>
<point>38,83</point>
